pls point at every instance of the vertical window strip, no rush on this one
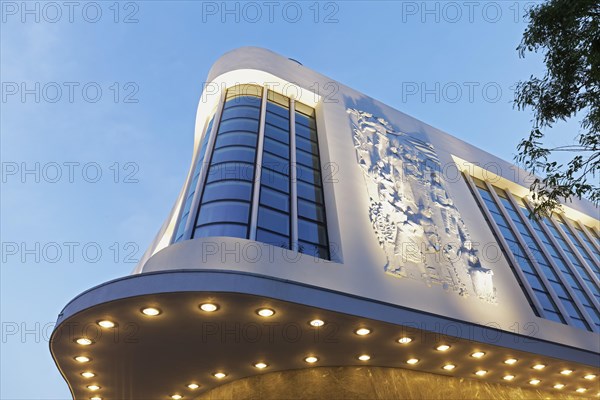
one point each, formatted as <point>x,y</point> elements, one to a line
<point>258,165</point>
<point>274,217</point>
<point>230,163</point>
<point>587,256</point>
<point>556,282</point>
<point>312,235</point>
<point>582,232</point>
<point>192,186</point>
<point>575,282</point>
<point>553,308</point>
<point>485,203</point>
<point>573,260</point>
<point>232,139</point>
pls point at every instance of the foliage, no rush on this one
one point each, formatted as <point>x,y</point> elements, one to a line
<point>568,33</point>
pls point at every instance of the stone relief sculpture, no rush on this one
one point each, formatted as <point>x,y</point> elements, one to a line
<point>416,223</point>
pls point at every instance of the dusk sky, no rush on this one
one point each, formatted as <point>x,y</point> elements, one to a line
<point>97,121</point>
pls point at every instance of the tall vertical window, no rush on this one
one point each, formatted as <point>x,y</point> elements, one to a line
<point>541,260</point>
<point>274,212</point>
<point>583,273</point>
<point>192,186</point>
<point>582,247</point>
<point>312,229</point>
<point>264,176</point>
<point>226,200</point>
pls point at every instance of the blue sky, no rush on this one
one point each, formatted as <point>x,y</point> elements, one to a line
<point>150,60</point>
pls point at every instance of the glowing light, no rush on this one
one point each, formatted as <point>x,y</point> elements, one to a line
<point>442,347</point>
<point>88,374</point>
<point>449,367</point>
<point>311,359</point>
<point>412,361</point>
<point>508,377</point>
<point>93,387</point>
<point>209,307</point>
<point>193,386</point>
<point>82,359</point>
<point>362,331</point>
<point>265,312</point>
<point>151,311</point>
<point>590,376</point>
<point>261,365</point>
<point>404,340</point>
<point>84,341</point>
<point>317,322</point>
<point>559,386</point>
<point>219,375</point>
<point>364,357</point>
<point>481,372</point>
<point>581,390</point>
<point>534,381</point>
<point>510,361</point>
<point>566,371</point>
<point>177,396</point>
<point>539,366</point>
<point>478,354</point>
<point>106,324</point>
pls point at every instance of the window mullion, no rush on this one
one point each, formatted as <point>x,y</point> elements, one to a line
<point>293,176</point>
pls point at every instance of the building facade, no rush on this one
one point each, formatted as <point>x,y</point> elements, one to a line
<point>327,245</point>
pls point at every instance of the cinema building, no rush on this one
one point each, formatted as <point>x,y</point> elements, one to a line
<point>325,245</point>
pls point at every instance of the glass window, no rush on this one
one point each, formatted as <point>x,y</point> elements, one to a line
<point>233,154</point>
<point>313,250</point>
<point>278,121</point>
<point>308,175</point>
<point>224,211</point>
<point>311,210</point>
<point>272,238</point>
<point>275,180</point>
<point>240,111</point>
<point>309,192</point>
<point>227,190</point>
<point>276,133</point>
<point>305,132</point>
<point>274,199</point>
<point>231,170</point>
<point>278,148</point>
<point>307,145</point>
<point>305,121</point>
<point>239,124</point>
<point>273,108</point>
<point>236,138</point>
<point>229,230</point>
<point>275,163</point>
<point>311,231</point>
<point>274,220</point>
